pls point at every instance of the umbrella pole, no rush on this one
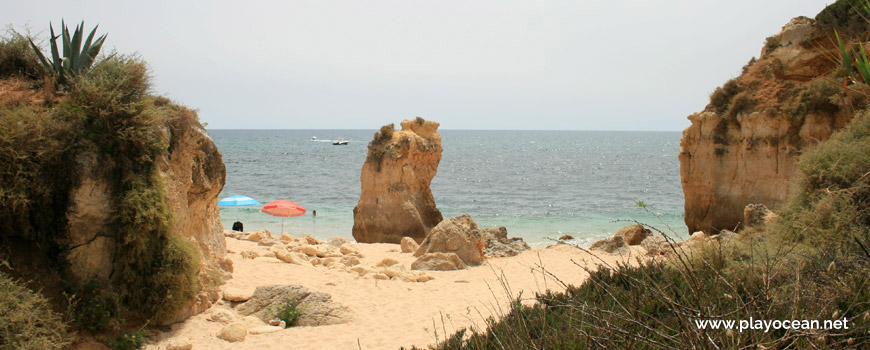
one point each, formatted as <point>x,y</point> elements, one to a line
<point>282,226</point>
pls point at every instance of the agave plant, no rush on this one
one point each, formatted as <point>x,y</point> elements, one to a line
<point>860,61</point>
<point>76,58</point>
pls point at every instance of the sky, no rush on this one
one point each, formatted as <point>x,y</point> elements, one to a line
<point>470,64</point>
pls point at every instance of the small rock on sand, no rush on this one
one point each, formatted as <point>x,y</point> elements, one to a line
<point>179,344</point>
<point>338,241</point>
<point>237,294</point>
<point>439,262</point>
<point>257,236</point>
<point>265,329</point>
<point>566,237</point>
<point>409,245</point>
<point>387,262</point>
<point>288,257</point>
<point>350,261</point>
<point>268,242</point>
<point>312,240</point>
<point>348,249</point>
<point>232,333</point>
<point>223,317</point>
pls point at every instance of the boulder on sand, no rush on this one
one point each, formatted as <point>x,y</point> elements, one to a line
<point>409,245</point>
<point>459,235</point>
<point>438,262</point>
<point>317,308</point>
<point>499,245</point>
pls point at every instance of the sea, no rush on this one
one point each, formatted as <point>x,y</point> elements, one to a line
<point>540,185</point>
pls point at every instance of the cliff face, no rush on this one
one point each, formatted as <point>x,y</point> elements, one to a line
<point>110,202</point>
<point>396,200</point>
<point>192,173</point>
<point>743,147</point>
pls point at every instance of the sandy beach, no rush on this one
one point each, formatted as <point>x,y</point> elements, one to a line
<point>386,314</point>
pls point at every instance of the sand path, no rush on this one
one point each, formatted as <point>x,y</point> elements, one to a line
<point>388,314</point>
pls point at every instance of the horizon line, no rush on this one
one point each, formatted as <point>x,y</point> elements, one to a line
<point>376,129</point>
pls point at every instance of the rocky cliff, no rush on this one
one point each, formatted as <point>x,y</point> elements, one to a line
<point>116,204</point>
<point>396,200</point>
<point>743,147</point>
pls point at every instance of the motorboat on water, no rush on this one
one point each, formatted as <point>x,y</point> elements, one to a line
<point>313,138</point>
<point>342,142</point>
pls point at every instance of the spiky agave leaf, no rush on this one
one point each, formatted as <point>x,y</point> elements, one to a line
<point>845,57</point>
<point>75,46</point>
<point>863,64</point>
<point>91,49</point>
<point>55,55</point>
<point>45,64</point>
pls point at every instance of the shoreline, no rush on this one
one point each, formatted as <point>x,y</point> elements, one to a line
<point>384,313</point>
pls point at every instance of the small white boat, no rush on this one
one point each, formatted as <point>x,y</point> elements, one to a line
<point>339,142</point>
<point>313,138</point>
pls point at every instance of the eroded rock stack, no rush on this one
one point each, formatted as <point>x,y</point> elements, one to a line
<point>396,200</point>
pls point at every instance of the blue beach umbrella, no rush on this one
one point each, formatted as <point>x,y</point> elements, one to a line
<point>237,201</point>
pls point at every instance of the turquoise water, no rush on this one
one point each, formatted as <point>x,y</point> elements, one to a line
<point>538,184</point>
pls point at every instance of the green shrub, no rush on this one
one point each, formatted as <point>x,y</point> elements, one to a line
<point>16,56</point>
<point>380,144</point>
<point>113,86</point>
<point>96,308</point>
<point>721,98</point>
<point>34,150</point>
<point>289,311</point>
<point>386,133</point>
<point>129,340</point>
<point>741,103</point>
<point>831,202</point>
<point>820,96</point>
<point>771,43</point>
<point>844,16</point>
<point>27,321</point>
<point>158,270</point>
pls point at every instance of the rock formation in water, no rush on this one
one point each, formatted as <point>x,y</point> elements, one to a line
<point>744,146</point>
<point>396,200</point>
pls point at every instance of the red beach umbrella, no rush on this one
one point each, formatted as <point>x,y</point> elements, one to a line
<point>284,209</point>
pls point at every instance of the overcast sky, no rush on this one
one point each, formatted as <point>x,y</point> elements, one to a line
<point>356,64</point>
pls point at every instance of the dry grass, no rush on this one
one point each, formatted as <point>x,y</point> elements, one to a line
<point>27,321</point>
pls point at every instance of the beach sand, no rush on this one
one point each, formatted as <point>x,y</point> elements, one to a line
<point>388,314</point>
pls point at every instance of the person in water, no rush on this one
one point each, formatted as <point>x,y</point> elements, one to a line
<point>314,213</point>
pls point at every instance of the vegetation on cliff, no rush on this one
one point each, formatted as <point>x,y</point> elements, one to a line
<point>27,321</point>
<point>813,263</point>
<point>107,110</point>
